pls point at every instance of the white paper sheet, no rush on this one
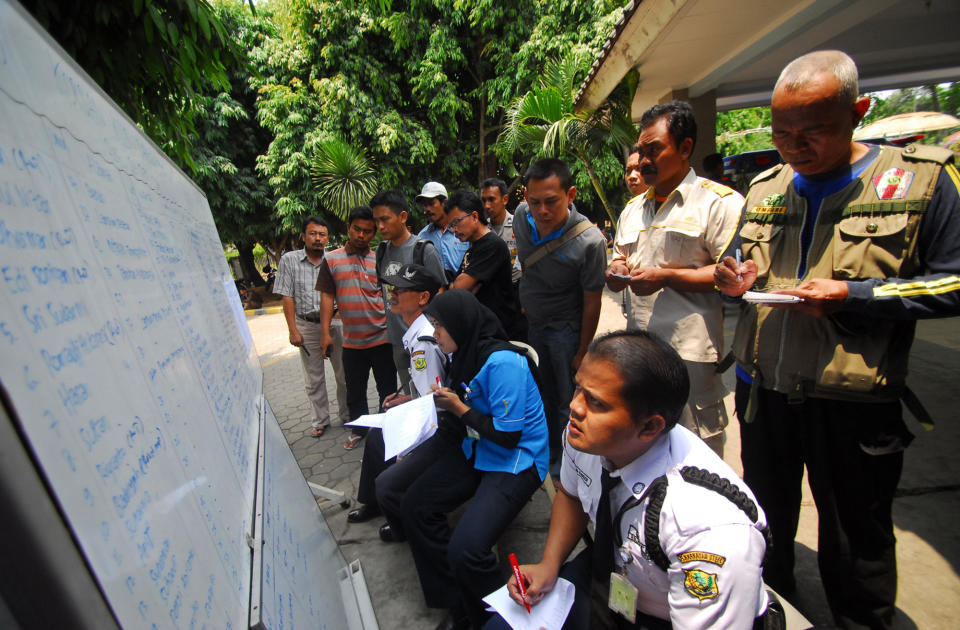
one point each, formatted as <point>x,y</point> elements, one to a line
<point>372,420</point>
<point>407,426</point>
<point>756,297</point>
<point>549,613</point>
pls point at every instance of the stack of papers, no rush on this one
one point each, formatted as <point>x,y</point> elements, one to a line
<point>405,427</point>
<point>550,612</point>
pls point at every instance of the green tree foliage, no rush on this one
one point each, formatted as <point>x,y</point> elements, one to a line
<point>543,123</point>
<point>926,98</point>
<point>343,176</point>
<point>421,86</point>
<point>225,147</point>
<point>742,130</point>
<point>151,56</point>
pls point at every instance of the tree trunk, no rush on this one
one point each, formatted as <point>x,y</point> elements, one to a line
<point>934,97</point>
<point>247,266</point>
<point>597,187</point>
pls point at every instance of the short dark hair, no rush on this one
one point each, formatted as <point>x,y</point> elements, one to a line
<point>392,199</point>
<point>634,149</point>
<point>467,201</point>
<point>655,379</point>
<point>362,213</point>
<point>712,161</point>
<point>313,219</point>
<point>547,167</point>
<point>493,182</point>
<point>681,123</point>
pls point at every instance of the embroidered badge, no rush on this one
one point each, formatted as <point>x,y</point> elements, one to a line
<point>701,584</point>
<point>417,353</point>
<point>633,535</point>
<point>776,199</point>
<point>893,184</point>
<point>420,364</point>
<point>702,556</point>
<point>638,487</point>
<point>719,189</point>
<point>769,209</point>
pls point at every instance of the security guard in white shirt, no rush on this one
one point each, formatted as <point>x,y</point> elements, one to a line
<point>679,538</point>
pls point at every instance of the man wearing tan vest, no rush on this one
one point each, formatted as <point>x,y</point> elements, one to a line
<point>868,237</point>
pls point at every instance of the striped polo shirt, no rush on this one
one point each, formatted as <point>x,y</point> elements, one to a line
<point>353,279</point>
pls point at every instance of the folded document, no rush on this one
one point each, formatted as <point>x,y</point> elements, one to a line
<point>405,426</point>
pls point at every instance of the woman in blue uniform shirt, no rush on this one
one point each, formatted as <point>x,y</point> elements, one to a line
<point>492,389</point>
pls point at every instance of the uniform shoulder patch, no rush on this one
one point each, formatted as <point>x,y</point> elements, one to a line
<point>701,584</point>
<point>702,556</point>
<point>420,364</point>
<point>719,189</point>
<point>893,184</point>
<point>767,174</point>
<point>927,153</point>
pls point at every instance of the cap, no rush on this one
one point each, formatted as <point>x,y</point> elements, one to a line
<point>431,190</point>
<point>414,277</point>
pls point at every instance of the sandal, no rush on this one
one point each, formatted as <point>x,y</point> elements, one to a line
<point>352,442</point>
<point>319,429</point>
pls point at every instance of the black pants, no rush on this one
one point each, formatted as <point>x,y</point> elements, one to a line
<point>852,488</point>
<point>356,369</point>
<point>459,567</point>
<point>393,481</point>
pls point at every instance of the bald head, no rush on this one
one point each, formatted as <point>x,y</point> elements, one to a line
<point>802,71</point>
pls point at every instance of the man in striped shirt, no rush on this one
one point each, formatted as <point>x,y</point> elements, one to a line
<point>296,279</point>
<point>349,276</point>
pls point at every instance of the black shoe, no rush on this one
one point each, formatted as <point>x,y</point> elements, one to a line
<point>363,513</point>
<point>389,534</point>
<point>454,621</point>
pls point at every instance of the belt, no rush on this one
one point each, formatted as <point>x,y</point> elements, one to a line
<point>316,318</point>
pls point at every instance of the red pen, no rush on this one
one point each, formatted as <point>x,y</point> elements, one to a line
<point>516,574</point>
<point>439,384</point>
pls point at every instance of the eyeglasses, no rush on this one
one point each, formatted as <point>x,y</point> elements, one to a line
<point>457,221</point>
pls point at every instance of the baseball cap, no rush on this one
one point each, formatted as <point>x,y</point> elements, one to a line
<point>414,276</point>
<point>431,190</point>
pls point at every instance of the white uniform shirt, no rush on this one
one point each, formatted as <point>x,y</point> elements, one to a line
<point>690,230</point>
<point>715,552</point>
<point>427,361</point>
<point>505,232</point>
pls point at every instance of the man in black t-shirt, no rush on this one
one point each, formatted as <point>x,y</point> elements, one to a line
<point>486,268</point>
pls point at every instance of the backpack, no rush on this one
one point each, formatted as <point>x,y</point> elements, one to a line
<point>418,248</point>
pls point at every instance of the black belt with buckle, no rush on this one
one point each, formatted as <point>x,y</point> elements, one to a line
<point>316,318</point>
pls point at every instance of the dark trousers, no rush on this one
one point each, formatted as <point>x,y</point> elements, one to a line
<point>393,481</point>
<point>356,369</point>
<point>852,488</point>
<point>458,567</point>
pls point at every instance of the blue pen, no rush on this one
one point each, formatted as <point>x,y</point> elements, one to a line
<point>739,262</point>
<point>466,388</point>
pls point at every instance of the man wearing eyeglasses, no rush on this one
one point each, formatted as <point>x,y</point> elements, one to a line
<point>486,268</point>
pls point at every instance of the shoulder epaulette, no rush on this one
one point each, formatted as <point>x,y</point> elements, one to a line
<point>429,338</point>
<point>716,187</point>
<point>767,174</point>
<point>927,153</point>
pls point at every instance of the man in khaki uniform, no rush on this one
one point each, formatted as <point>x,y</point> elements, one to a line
<point>667,242</point>
<point>868,237</point>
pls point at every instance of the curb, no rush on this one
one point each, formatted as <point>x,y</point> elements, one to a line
<point>270,310</point>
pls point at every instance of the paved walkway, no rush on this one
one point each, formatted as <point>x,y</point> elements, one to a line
<point>925,513</point>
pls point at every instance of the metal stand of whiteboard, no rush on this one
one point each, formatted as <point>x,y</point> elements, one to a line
<point>323,492</point>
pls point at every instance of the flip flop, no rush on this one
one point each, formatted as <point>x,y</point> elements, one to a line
<point>352,442</point>
<point>318,431</point>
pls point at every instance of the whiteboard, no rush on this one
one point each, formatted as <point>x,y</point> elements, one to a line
<point>125,353</point>
<point>302,574</point>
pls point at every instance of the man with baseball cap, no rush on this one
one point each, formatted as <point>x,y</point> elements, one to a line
<point>432,197</point>
<point>412,289</point>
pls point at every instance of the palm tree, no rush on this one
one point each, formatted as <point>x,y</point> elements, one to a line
<point>343,176</point>
<point>544,122</point>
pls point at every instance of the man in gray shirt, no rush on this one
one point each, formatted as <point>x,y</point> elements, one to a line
<point>563,257</point>
<point>399,247</point>
<point>296,282</point>
<point>493,194</point>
